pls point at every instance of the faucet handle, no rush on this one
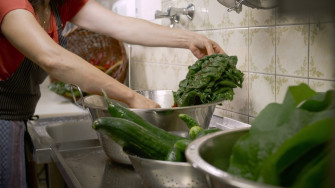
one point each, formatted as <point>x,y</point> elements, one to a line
<point>190,11</point>
<point>174,13</point>
<point>161,14</point>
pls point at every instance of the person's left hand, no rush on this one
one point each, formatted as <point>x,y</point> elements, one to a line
<point>201,46</point>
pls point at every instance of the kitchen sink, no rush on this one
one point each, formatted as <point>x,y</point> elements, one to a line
<point>47,131</point>
<point>71,131</point>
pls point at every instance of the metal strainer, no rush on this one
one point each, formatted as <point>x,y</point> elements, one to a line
<point>156,173</point>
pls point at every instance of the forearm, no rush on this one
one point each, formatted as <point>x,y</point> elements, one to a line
<point>58,62</point>
<point>96,18</point>
<point>130,30</point>
<point>70,68</point>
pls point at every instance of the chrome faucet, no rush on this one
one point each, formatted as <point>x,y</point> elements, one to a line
<point>174,13</point>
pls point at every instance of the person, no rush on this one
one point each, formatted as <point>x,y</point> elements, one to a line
<point>32,47</point>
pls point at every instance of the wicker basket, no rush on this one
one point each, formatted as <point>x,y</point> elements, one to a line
<point>106,53</point>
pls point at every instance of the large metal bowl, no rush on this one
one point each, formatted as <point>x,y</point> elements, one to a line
<point>210,154</point>
<point>165,117</point>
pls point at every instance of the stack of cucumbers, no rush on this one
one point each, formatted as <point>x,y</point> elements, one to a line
<point>139,137</point>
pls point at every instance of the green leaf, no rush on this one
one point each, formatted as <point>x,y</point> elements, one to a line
<point>294,148</point>
<point>281,136</point>
<point>297,94</point>
<point>209,79</point>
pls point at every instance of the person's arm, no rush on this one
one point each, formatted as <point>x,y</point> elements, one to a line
<point>23,31</point>
<point>95,17</point>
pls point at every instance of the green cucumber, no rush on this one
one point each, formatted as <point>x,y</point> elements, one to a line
<point>188,120</point>
<point>195,131</point>
<point>133,138</point>
<point>177,153</point>
<point>116,110</point>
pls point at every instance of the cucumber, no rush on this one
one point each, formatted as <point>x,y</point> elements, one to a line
<point>177,154</point>
<point>134,138</point>
<point>188,120</point>
<point>116,110</point>
<point>195,131</point>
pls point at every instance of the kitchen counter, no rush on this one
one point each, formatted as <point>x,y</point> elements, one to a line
<point>54,105</point>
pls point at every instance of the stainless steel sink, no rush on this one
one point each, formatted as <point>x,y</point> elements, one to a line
<point>47,131</point>
<point>71,131</point>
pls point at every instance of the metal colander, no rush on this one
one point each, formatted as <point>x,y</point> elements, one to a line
<point>156,173</point>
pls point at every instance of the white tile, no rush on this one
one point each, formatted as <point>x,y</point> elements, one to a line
<point>262,17</point>
<point>156,76</point>
<point>292,50</point>
<point>289,19</point>
<point>321,85</point>
<point>261,92</point>
<point>233,19</point>
<point>262,50</point>
<point>322,51</point>
<point>321,17</point>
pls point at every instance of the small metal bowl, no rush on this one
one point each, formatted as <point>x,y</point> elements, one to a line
<point>165,118</point>
<point>210,154</point>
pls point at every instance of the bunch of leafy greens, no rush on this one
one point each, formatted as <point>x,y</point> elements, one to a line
<point>209,79</point>
<point>64,89</point>
<point>289,144</point>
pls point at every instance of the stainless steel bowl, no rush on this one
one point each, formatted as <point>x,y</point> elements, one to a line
<point>166,117</point>
<point>156,173</point>
<point>210,154</point>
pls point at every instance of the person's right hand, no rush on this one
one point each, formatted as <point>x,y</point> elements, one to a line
<point>141,101</point>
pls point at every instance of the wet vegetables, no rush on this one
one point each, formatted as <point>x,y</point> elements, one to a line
<point>141,138</point>
<point>209,79</point>
<point>116,110</point>
<point>134,138</point>
<point>289,144</point>
<point>64,89</point>
<point>195,130</point>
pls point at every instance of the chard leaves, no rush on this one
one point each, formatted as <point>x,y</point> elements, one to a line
<point>209,79</point>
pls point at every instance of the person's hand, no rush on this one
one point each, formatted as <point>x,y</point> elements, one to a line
<point>201,46</point>
<point>141,101</point>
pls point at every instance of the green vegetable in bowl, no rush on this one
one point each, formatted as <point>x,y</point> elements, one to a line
<point>209,79</point>
<point>195,130</point>
<point>116,110</point>
<point>140,137</point>
<point>288,143</point>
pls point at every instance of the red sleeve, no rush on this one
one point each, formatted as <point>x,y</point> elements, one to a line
<point>8,5</point>
<point>70,8</point>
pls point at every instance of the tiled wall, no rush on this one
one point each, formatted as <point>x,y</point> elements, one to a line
<point>273,51</point>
